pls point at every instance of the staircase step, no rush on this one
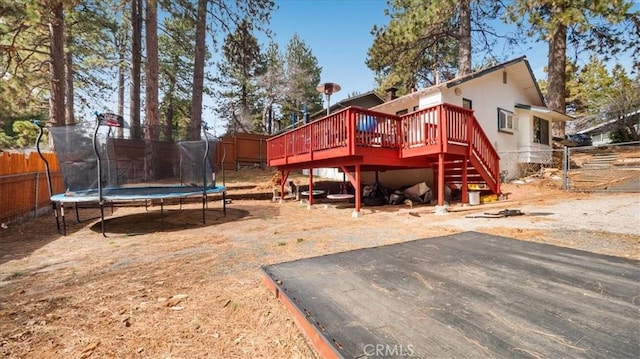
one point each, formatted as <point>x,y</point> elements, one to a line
<point>459,178</point>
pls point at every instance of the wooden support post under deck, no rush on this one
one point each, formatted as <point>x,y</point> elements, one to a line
<point>441,179</point>
<point>310,186</point>
<point>284,175</point>
<point>355,182</point>
<point>465,184</point>
<point>358,192</point>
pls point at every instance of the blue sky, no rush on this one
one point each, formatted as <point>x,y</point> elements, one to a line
<point>338,33</point>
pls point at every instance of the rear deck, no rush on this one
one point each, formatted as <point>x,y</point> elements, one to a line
<point>467,295</point>
<point>445,138</point>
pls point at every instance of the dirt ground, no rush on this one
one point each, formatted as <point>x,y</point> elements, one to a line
<point>172,287</point>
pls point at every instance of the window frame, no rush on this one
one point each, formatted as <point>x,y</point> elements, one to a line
<point>538,136</point>
<point>513,128</point>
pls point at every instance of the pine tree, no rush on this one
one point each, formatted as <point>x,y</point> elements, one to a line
<point>176,67</point>
<point>302,77</point>
<point>623,103</point>
<point>24,80</point>
<point>241,66</point>
<point>272,85</point>
<point>223,16</point>
<point>584,25</point>
<point>427,42</point>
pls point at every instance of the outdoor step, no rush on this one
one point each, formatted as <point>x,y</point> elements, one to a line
<point>473,176</point>
<point>602,160</point>
<point>459,171</point>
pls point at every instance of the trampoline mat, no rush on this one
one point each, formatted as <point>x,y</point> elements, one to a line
<point>136,193</point>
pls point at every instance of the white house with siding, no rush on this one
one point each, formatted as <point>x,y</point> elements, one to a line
<point>506,101</point>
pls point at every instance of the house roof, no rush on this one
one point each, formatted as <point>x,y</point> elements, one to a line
<point>555,115</point>
<point>521,73</point>
<point>349,101</point>
<point>608,125</point>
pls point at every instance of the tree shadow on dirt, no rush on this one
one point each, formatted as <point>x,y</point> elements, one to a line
<point>19,240</point>
<point>167,221</point>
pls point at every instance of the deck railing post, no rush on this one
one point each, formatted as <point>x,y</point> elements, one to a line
<point>287,139</point>
<point>311,140</point>
<point>442,128</point>
<point>351,128</point>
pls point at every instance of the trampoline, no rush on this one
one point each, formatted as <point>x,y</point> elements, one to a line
<point>103,167</point>
<point>134,194</point>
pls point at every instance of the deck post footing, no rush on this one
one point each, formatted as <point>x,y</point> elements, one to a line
<point>441,210</point>
<point>357,214</point>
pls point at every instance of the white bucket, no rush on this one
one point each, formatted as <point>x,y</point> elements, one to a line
<point>474,198</point>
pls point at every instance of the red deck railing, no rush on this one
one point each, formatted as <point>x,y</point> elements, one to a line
<point>428,131</point>
<point>342,132</point>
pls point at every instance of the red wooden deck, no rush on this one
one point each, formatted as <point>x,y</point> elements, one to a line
<point>446,138</point>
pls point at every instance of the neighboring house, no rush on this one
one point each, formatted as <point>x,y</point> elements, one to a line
<point>507,103</point>
<point>600,134</point>
<point>365,100</point>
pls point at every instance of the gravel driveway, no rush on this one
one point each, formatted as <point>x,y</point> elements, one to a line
<point>619,213</point>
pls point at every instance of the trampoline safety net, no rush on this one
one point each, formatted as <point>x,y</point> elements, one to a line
<point>126,162</point>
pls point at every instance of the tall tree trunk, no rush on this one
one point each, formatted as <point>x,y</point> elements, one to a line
<point>464,39</point>
<point>556,96</point>
<point>57,77</point>
<point>270,119</point>
<point>69,100</point>
<point>169,112</point>
<point>136,64</point>
<point>151,70</point>
<point>151,93</point>
<point>121,70</point>
<point>168,120</point>
<point>198,71</point>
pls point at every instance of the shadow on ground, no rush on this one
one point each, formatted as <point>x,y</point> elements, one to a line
<point>167,221</point>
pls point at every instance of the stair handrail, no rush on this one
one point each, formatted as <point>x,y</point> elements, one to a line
<point>483,150</point>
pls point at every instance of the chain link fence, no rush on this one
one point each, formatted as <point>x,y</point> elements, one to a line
<point>612,168</point>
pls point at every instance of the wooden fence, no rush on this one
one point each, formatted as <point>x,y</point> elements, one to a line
<point>242,150</point>
<point>24,189</point>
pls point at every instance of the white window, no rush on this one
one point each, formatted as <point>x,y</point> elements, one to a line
<point>507,121</point>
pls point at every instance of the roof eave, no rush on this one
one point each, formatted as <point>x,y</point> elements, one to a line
<point>555,115</point>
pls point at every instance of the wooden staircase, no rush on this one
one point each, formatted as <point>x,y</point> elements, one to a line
<point>454,171</point>
<point>453,131</point>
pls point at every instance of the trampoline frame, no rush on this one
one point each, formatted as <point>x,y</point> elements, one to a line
<point>102,196</point>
